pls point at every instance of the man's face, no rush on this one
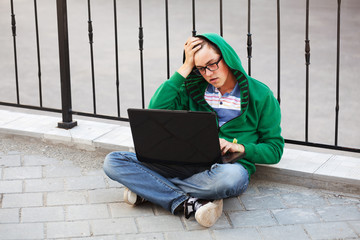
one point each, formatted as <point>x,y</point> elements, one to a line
<point>205,56</point>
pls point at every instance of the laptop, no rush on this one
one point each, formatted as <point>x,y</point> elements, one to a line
<point>177,137</point>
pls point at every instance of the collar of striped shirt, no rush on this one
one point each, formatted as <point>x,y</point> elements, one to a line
<point>226,106</point>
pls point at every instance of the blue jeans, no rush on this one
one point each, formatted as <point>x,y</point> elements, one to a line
<point>170,185</point>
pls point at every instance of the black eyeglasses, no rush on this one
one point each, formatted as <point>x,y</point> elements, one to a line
<point>211,67</point>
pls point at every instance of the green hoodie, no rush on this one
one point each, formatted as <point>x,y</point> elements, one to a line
<point>258,126</point>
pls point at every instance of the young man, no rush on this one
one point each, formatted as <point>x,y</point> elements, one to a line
<point>210,79</point>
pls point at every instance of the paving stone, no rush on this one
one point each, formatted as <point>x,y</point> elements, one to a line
<point>82,212</point>
<point>339,213</point>
<point>301,161</point>
<point>10,161</point>
<point>237,234</point>
<point>105,195</point>
<point>11,186</point>
<point>32,125</point>
<point>232,204</point>
<point>119,135</point>
<point>113,226</point>
<point>252,218</point>
<point>42,214</point>
<point>126,210</point>
<point>67,229</point>
<point>296,216</point>
<point>333,230</point>
<point>38,160</point>
<point>13,153</point>
<point>346,168</point>
<point>162,224</point>
<point>161,211</point>
<point>22,231</point>
<point>271,189</point>
<point>102,237</point>
<point>304,199</point>
<point>251,190</point>
<point>142,236</point>
<point>262,202</point>
<point>355,226</point>
<point>22,172</point>
<point>62,171</point>
<point>9,116</point>
<point>97,172</point>
<point>342,200</point>
<point>113,184</point>
<point>193,235</point>
<point>56,135</point>
<point>89,131</point>
<point>22,200</point>
<point>66,198</point>
<point>191,224</point>
<point>10,215</point>
<point>85,182</point>
<point>293,232</point>
<point>44,185</point>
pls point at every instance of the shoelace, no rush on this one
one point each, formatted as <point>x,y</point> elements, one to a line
<point>191,206</point>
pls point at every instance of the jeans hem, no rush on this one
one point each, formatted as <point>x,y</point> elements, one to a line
<point>176,204</point>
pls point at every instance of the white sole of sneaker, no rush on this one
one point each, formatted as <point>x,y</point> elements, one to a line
<point>208,214</point>
<point>129,197</point>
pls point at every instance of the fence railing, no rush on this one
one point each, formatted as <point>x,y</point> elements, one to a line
<point>65,72</point>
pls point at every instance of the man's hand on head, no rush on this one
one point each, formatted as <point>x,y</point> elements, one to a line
<point>191,46</point>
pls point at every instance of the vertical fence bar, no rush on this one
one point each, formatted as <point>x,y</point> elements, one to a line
<point>221,18</point>
<point>91,36</point>
<point>337,108</point>
<point>141,43</point>
<point>167,38</point>
<point>193,18</point>
<point>249,40</point>
<point>278,52</point>
<point>307,63</point>
<point>13,29</point>
<point>64,58</point>
<point>38,52</point>
<point>116,60</point>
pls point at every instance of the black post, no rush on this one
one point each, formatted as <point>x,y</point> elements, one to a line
<point>116,60</point>
<point>13,28</point>
<point>38,52</point>
<point>167,38</point>
<point>278,51</point>
<point>249,39</point>
<point>67,122</point>
<point>307,63</point>
<point>221,18</point>
<point>337,107</point>
<point>141,48</point>
<point>193,18</point>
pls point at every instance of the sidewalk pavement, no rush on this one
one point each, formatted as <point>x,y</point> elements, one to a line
<point>56,196</point>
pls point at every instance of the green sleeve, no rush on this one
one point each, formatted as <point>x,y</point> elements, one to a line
<point>269,148</point>
<point>170,94</point>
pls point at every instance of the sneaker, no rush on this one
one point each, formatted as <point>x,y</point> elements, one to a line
<point>206,212</point>
<point>132,198</point>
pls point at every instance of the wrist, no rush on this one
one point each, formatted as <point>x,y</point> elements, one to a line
<point>185,70</point>
<point>241,148</point>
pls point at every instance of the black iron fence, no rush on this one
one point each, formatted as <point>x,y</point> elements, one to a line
<point>65,74</point>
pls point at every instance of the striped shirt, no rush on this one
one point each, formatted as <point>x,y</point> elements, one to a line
<point>226,106</point>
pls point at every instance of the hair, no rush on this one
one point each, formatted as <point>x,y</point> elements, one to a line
<point>212,45</point>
